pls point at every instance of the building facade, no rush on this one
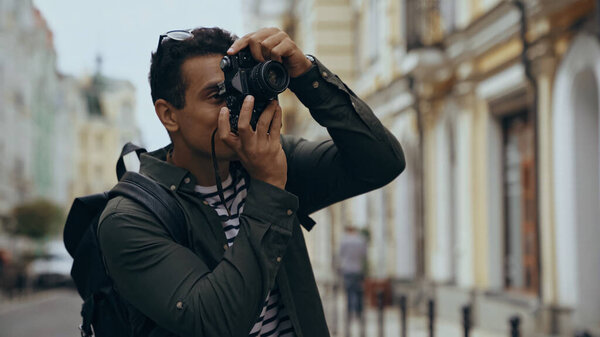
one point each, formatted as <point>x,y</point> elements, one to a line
<point>31,109</point>
<point>326,30</point>
<point>496,106</point>
<point>60,136</point>
<point>498,92</point>
<point>108,122</point>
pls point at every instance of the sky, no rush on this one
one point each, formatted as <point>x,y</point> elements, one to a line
<point>124,33</point>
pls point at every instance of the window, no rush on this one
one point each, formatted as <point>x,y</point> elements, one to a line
<point>521,258</point>
<point>427,21</point>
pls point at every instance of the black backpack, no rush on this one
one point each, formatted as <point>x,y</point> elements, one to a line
<point>104,312</point>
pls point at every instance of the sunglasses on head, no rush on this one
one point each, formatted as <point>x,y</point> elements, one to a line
<point>177,35</point>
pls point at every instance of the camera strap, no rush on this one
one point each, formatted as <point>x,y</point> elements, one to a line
<point>216,168</point>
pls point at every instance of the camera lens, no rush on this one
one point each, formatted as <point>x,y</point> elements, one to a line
<point>269,79</point>
<point>275,78</point>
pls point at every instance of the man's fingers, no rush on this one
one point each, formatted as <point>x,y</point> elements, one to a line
<point>274,40</point>
<point>238,45</point>
<point>256,50</point>
<point>269,43</point>
<point>276,124</point>
<point>223,123</point>
<point>244,129</point>
<point>283,49</point>
<point>253,40</point>
<point>264,121</point>
<point>224,129</point>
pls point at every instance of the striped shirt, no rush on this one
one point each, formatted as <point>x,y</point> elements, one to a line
<point>273,319</point>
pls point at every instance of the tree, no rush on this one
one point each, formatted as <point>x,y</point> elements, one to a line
<point>37,219</point>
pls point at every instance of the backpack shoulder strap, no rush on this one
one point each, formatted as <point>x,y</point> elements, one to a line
<point>132,152</point>
<point>156,200</point>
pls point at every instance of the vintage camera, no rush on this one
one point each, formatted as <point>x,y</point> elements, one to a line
<point>246,76</point>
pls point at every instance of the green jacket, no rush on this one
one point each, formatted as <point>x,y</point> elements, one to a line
<point>208,289</point>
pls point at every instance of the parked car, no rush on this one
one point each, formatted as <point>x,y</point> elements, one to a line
<point>52,268</point>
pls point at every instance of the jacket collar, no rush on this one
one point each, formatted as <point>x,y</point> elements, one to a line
<point>155,166</point>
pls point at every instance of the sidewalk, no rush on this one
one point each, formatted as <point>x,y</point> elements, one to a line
<point>417,326</point>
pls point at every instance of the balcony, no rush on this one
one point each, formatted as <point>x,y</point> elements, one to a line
<point>427,21</point>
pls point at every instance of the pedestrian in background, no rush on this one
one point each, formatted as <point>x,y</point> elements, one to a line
<point>353,256</point>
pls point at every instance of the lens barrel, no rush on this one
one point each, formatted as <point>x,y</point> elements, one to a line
<point>269,79</point>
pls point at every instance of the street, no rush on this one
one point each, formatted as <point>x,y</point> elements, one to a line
<point>53,313</point>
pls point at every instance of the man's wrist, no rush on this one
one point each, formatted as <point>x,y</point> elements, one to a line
<point>312,87</point>
<point>302,69</point>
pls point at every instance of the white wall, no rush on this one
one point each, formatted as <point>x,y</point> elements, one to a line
<point>378,243</point>
<point>464,222</point>
<point>585,94</point>
<point>442,252</point>
<point>575,129</point>
<point>319,241</point>
<point>405,203</point>
<point>495,208</point>
<point>405,224</point>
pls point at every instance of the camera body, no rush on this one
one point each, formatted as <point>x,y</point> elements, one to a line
<point>246,76</point>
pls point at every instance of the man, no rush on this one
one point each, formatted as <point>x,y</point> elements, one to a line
<point>353,254</point>
<point>246,270</point>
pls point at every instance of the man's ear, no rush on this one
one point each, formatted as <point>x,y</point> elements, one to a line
<point>167,115</point>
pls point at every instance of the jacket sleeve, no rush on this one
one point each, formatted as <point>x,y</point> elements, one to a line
<point>361,155</point>
<point>175,288</point>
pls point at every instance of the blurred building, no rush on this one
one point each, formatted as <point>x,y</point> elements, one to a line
<point>496,95</point>
<point>106,124</point>
<point>324,29</point>
<point>496,105</point>
<point>31,110</point>
<point>60,136</point>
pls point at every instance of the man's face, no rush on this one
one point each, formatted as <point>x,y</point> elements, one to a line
<point>198,118</point>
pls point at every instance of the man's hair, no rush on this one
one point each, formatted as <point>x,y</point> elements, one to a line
<point>166,80</point>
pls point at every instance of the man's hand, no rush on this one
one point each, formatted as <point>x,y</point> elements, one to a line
<point>259,151</point>
<point>274,44</point>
